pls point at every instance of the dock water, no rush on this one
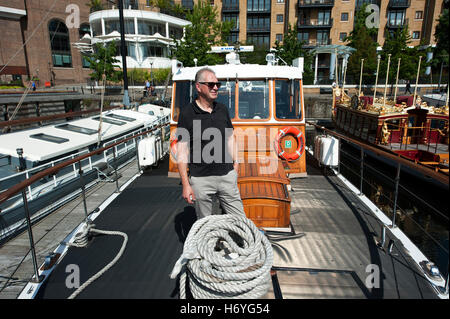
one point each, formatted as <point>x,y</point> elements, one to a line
<point>335,257</point>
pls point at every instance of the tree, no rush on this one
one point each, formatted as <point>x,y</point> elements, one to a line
<point>102,62</point>
<point>441,36</point>
<point>291,49</point>
<point>362,39</point>
<point>398,45</point>
<point>204,32</point>
<point>95,5</point>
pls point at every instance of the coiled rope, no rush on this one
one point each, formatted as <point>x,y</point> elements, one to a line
<point>82,241</point>
<point>225,256</point>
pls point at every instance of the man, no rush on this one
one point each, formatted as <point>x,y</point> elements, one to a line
<point>212,164</point>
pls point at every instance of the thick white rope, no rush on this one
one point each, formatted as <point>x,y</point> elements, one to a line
<point>82,241</point>
<point>219,267</point>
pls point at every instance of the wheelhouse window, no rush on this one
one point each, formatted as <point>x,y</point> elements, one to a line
<point>60,44</point>
<point>287,99</point>
<point>183,97</point>
<point>226,96</point>
<point>253,100</point>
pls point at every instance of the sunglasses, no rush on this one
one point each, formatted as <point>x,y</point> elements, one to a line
<point>211,85</point>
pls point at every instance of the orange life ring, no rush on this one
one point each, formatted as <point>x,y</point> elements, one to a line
<point>173,148</point>
<point>300,141</point>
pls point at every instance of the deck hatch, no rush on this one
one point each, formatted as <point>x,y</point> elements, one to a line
<point>49,138</point>
<point>77,129</point>
<point>109,120</point>
<point>121,117</point>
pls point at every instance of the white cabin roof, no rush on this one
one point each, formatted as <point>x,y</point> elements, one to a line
<point>35,149</point>
<point>242,71</point>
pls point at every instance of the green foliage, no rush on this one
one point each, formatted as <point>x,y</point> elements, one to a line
<point>441,36</point>
<point>362,39</point>
<point>258,56</point>
<point>95,5</point>
<point>291,49</point>
<point>138,76</point>
<point>203,33</point>
<point>102,62</point>
<point>398,45</point>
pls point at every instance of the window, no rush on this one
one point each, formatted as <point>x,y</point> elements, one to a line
<point>418,15</point>
<point>279,37</point>
<point>76,129</point>
<point>322,37</point>
<point>253,100</point>
<point>183,97</point>
<point>323,18</point>
<point>114,25</point>
<point>84,28</point>
<point>258,40</point>
<point>60,44</point>
<point>234,17</point>
<point>258,23</point>
<point>342,36</point>
<point>396,17</point>
<point>303,36</point>
<point>344,16</point>
<point>150,28</point>
<point>279,18</point>
<point>287,99</point>
<point>152,50</point>
<point>226,96</point>
<point>121,117</point>
<point>280,1</point>
<point>49,138</point>
<point>109,120</point>
<point>258,5</point>
<point>416,35</point>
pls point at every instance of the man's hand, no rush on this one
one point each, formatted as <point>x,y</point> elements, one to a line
<point>188,194</point>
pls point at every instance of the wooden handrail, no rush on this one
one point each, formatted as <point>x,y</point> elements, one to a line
<point>390,155</point>
<point>52,117</point>
<point>53,170</point>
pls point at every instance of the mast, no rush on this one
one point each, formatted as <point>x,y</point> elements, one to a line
<point>417,81</point>
<point>360,77</point>
<point>126,98</point>
<point>387,78</point>
<point>376,80</point>
<point>396,81</point>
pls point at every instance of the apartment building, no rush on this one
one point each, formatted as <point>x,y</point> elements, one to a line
<point>37,41</point>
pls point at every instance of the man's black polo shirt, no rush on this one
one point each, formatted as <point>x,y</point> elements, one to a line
<point>208,133</point>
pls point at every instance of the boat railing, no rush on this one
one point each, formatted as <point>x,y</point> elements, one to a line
<point>389,205</point>
<point>416,136</point>
<point>76,165</point>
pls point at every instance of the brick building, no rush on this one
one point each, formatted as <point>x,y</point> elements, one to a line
<point>37,41</point>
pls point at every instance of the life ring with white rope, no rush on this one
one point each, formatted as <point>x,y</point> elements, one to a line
<point>300,142</point>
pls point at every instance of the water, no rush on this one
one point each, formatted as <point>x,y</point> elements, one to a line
<point>426,225</point>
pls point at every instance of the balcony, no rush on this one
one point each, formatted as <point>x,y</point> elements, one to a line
<point>396,24</point>
<point>360,3</point>
<point>399,4</point>
<point>230,7</point>
<point>314,23</point>
<point>258,28</point>
<point>315,42</point>
<point>315,3</point>
<point>258,10</point>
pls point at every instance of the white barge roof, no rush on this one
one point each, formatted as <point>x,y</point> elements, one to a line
<point>65,141</point>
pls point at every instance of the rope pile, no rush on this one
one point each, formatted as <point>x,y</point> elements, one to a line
<point>82,239</point>
<point>225,256</point>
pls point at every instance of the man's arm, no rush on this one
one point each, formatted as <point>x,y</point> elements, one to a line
<point>232,149</point>
<point>183,155</point>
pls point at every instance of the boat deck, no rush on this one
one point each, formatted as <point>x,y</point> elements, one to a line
<point>330,260</point>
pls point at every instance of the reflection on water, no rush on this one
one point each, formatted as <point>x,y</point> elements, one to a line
<point>422,207</point>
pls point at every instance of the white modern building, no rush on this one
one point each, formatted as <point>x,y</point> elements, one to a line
<point>148,35</point>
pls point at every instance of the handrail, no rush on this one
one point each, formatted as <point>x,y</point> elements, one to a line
<point>392,156</point>
<point>53,170</point>
<point>52,117</point>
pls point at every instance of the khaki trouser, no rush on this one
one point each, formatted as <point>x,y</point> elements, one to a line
<point>226,189</point>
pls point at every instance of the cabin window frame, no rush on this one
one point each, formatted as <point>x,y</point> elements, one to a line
<point>300,102</point>
<point>389,125</point>
<point>237,100</point>
<point>175,112</point>
<point>49,138</point>
<point>76,129</point>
